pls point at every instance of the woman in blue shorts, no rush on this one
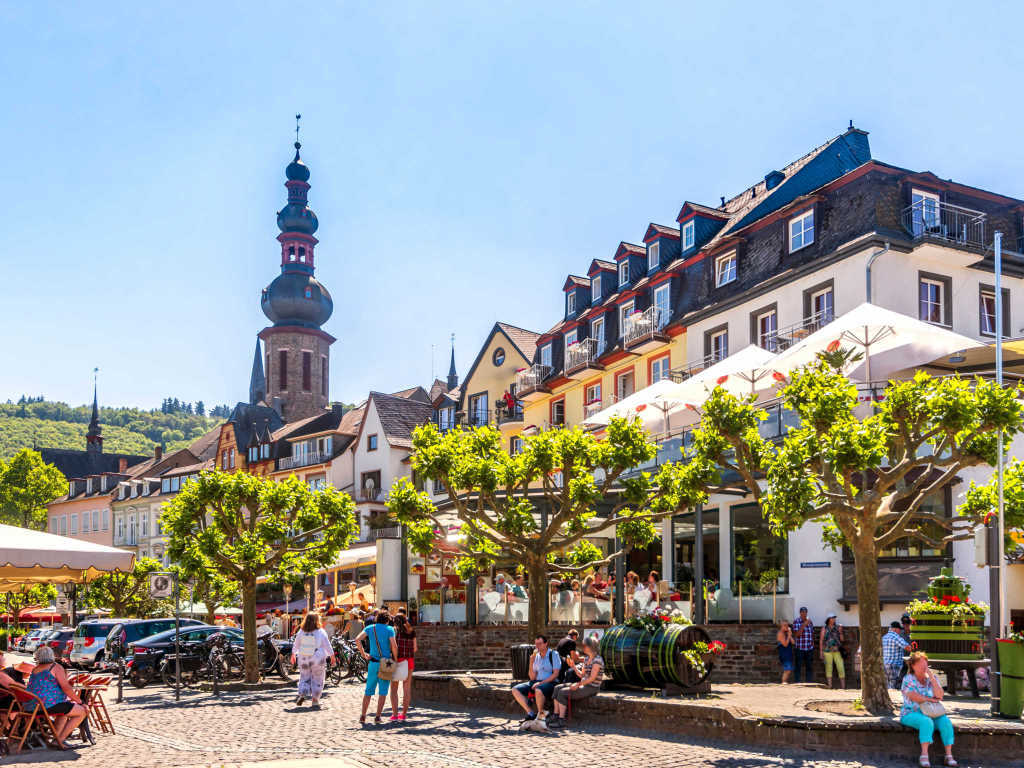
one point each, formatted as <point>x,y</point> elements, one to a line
<point>380,641</point>
<point>784,637</point>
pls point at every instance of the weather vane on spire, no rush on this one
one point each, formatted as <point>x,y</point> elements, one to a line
<point>297,118</point>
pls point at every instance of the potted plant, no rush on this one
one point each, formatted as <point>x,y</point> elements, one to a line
<point>946,624</point>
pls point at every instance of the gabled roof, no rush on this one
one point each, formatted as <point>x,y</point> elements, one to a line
<point>189,469</point>
<point>352,420</point>
<point>328,421</point>
<point>525,341</point>
<point>205,447</point>
<point>413,393</point>
<point>575,280</point>
<point>152,467</point>
<point>629,248</point>
<point>399,417</point>
<point>246,418</point>
<point>659,230</point>
<point>600,265</point>
<point>82,463</point>
<point>701,210</point>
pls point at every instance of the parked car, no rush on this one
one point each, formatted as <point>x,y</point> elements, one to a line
<point>144,656</point>
<point>36,639</point>
<point>131,632</point>
<point>89,639</point>
<point>23,641</point>
<point>58,640</point>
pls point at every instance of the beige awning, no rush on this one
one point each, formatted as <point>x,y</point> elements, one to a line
<point>35,557</point>
<point>352,558</point>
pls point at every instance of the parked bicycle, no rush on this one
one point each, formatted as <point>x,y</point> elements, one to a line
<point>350,663</point>
<point>203,661</point>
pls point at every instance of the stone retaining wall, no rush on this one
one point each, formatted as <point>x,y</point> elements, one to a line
<point>750,655</point>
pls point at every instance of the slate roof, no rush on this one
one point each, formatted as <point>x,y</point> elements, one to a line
<point>706,210</point>
<point>413,393</point>
<point>189,469</point>
<point>352,420</point>
<point>577,280</point>
<point>525,341</point>
<point>400,416</point>
<point>247,420</point>
<point>661,229</point>
<point>73,463</point>
<point>205,447</point>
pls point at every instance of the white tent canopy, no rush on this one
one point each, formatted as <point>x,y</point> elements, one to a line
<point>35,557</point>
<point>889,340</point>
<point>739,373</point>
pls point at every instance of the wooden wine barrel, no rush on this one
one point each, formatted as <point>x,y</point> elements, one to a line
<point>641,658</point>
<point>939,637</point>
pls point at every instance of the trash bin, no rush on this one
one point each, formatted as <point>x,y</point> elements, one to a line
<point>1011,677</point>
<point>521,661</point>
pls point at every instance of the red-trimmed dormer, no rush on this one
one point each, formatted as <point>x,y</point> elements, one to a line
<point>603,276</point>
<point>577,295</point>
<point>630,263</point>
<point>662,247</point>
<point>697,225</point>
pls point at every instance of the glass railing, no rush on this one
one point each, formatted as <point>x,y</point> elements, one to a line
<point>441,606</point>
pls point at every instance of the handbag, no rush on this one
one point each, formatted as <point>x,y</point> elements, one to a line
<point>400,672</point>
<point>386,667</point>
<point>932,709</point>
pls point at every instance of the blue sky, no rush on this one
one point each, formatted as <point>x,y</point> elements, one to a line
<point>465,158</point>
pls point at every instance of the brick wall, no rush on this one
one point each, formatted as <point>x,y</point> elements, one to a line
<point>750,656</point>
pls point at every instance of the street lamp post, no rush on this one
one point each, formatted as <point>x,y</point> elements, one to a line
<point>996,556</point>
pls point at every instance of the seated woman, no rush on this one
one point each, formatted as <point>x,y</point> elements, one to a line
<point>49,682</point>
<point>590,672</point>
<point>921,691</point>
<point>8,677</point>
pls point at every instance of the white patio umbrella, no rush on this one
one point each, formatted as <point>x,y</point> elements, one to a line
<point>650,404</point>
<point>35,557</point>
<point>889,340</point>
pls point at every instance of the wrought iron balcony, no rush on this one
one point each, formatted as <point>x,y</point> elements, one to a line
<point>477,417</point>
<point>530,382</point>
<point>592,409</point>
<point>581,358</point>
<point>503,416</point>
<point>784,338</point>
<point>303,460</point>
<point>643,330</point>
<point>934,220</point>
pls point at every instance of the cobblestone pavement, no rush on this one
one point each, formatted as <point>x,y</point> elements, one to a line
<point>237,728</point>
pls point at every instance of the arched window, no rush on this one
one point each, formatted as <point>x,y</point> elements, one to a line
<point>291,253</point>
<point>302,253</point>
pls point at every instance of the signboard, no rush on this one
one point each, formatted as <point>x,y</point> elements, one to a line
<point>62,604</point>
<point>817,564</point>
<point>161,585</point>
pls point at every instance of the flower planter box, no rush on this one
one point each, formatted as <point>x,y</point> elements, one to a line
<point>1011,680</point>
<point>947,625</point>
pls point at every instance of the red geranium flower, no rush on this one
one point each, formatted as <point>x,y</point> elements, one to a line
<point>833,346</point>
<point>955,599</point>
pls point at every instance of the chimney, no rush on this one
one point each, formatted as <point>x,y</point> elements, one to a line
<point>158,453</point>
<point>122,464</point>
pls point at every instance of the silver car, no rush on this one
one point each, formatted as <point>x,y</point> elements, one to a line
<point>89,639</point>
<point>35,639</point>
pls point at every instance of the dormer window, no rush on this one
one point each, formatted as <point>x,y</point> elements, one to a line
<point>688,228</point>
<point>595,289</point>
<point>545,355</point>
<point>653,255</point>
<point>71,488</point>
<point>570,339</point>
<point>623,272</point>
<point>570,303</point>
<point>801,231</point>
<point>725,269</point>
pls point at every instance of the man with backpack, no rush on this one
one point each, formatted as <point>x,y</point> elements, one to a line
<point>545,665</point>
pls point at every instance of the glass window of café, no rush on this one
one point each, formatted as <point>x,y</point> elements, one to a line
<point>684,531</point>
<point>760,558</point>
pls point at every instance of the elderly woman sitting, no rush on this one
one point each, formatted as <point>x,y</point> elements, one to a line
<point>590,672</point>
<point>50,683</point>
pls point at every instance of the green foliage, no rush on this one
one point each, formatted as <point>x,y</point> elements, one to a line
<point>242,526</point>
<point>208,587</point>
<point>15,601</point>
<point>27,485</point>
<point>981,501</point>
<point>35,422</point>
<point>126,593</point>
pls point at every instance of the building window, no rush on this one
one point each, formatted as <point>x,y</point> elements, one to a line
<point>725,269</point>
<point>801,231</point>
<point>478,412</point>
<point>446,418</point>
<point>545,355</point>
<point>925,207</point>
<point>558,412</point>
<point>282,370</point>
<point>688,235</point>
<point>570,302</point>
<point>96,520</point>
<point>592,393</point>
<point>595,289</point>
<point>624,384</point>
<point>231,458</point>
<point>144,524</point>
<point>302,254</point>
<point>767,330</point>
<point>498,358</point>
<point>716,344</point>
<point>819,308</point>
<point>653,256</point>
<point>106,519</point>
<point>624,312</point>
<point>85,522</point>
<point>371,442</point>
<point>987,311</point>
<point>569,339</point>
<point>515,445</point>
<point>291,253</point>
<point>597,334</point>
<point>662,295</point>
<point>932,301</point>
<point>307,371</point>
<point>624,272</point>
<point>74,524</point>
<point>756,550</point>
<point>659,369</point>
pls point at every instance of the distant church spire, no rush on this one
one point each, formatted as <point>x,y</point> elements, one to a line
<point>93,437</point>
<point>257,381</point>
<point>453,377</point>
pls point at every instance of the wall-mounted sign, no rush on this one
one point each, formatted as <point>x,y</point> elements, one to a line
<point>818,564</point>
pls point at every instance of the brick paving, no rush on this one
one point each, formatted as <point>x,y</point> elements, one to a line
<point>265,727</point>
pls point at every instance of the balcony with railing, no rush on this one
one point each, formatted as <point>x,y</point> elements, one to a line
<point>644,331</point>
<point>784,338</point>
<point>934,220</point>
<point>478,417</point>
<point>530,382</point>
<point>303,460</point>
<point>592,409</point>
<point>506,417</point>
<point>692,368</point>
<point>581,359</point>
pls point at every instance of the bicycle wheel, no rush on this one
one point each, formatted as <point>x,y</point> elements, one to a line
<point>358,668</point>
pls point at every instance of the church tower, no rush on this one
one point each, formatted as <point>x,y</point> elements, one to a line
<point>297,350</point>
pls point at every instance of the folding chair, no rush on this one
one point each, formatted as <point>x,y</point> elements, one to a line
<point>30,719</point>
<point>92,699</point>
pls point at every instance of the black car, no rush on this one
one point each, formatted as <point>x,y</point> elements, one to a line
<point>127,633</point>
<point>144,655</point>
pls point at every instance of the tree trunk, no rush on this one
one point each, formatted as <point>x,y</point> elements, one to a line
<point>537,573</point>
<point>874,688</point>
<point>252,665</point>
<point>211,614</point>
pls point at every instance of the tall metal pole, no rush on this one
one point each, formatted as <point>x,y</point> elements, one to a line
<point>177,640</point>
<point>995,536</point>
<point>999,458</point>
<point>699,612</point>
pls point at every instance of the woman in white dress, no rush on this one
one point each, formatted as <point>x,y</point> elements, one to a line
<point>312,648</point>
